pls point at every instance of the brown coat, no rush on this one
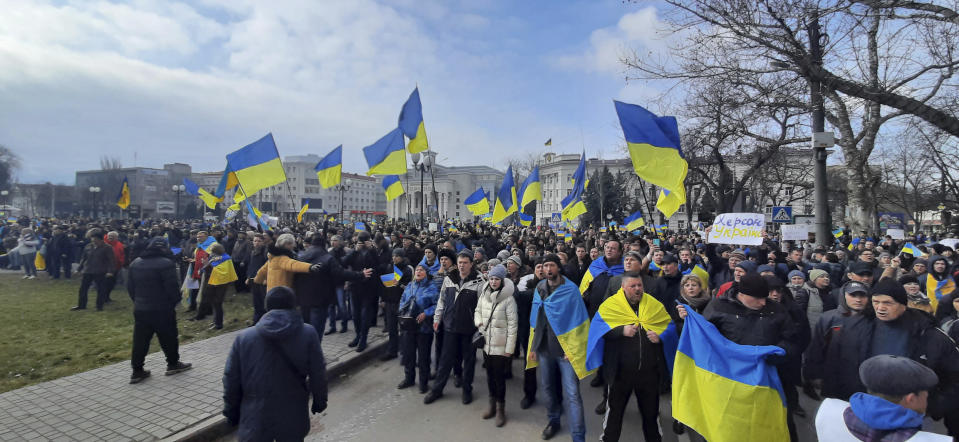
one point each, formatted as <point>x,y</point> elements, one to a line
<point>279,271</point>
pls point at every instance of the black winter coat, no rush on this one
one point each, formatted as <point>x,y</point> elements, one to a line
<point>318,289</point>
<point>770,325</point>
<point>395,293</point>
<point>666,290</point>
<point>152,282</point>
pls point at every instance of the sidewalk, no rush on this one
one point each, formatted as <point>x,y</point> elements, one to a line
<point>101,405</point>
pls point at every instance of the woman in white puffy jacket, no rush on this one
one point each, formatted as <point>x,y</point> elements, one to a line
<point>495,316</point>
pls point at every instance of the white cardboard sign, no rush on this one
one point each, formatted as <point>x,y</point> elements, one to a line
<point>896,233</point>
<point>738,228</point>
<point>795,232</point>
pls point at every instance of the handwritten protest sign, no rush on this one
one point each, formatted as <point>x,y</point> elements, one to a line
<point>795,232</point>
<point>738,228</point>
<point>896,233</point>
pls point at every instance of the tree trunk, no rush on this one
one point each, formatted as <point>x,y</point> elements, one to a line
<point>861,199</point>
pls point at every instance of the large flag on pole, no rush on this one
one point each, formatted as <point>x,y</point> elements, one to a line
<point>123,198</point>
<point>506,198</point>
<point>386,156</point>
<point>532,189</point>
<point>392,186</point>
<point>655,150</point>
<point>477,203</point>
<point>257,165</point>
<point>411,123</point>
<point>330,169</point>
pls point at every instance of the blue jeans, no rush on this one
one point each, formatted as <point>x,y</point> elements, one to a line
<point>340,310</point>
<point>29,264</point>
<point>315,316</point>
<point>550,370</point>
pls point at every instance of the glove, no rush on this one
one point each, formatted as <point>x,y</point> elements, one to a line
<point>318,407</point>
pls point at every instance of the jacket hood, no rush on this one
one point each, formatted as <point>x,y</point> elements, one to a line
<point>505,291</point>
<point>881,414</point>
<point>932,264</point>
<point>276,251</point>
<point>279,324</point>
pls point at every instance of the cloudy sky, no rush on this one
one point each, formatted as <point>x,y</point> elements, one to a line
<point>157,81</point>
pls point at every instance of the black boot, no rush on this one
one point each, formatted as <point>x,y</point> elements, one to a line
<point>139,375</point>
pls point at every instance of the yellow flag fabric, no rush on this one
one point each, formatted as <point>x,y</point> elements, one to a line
<point>614,312</point>
<point>222,271</point>
<point>40,262</point>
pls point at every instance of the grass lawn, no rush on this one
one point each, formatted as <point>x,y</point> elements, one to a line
<point>41,339</point>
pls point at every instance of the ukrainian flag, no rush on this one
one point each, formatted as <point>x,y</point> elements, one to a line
<point>573,205</point>
<point>256,216</point>
<point>580,173</point>
<point>123,198</point>
<point>614,312</point>
<point>222,270</point>
<point>911,249</point>
<point>209,199</point>
<point>936,289</point>
<point>330,169</point>
<point>392,186</point>
<point>392,279</point>
<point>525,220</point>
<point>257,165</point>
<point>359,226</point>
<point>855,242</point>
<point>634,221</point>
<point>655,150</point>
<point>477,202</point>
<point>726,391</point>
<point>532,189</point>
<point>227,182</point>
<point>386,156</point>
<point>506,198</point>
<point>206,244</point>
<point>411,123</point>
<point>837,233</point>
<point>299,216</point>
<point>567,316</point>
<point>699,271</point>
<point>598,267</point>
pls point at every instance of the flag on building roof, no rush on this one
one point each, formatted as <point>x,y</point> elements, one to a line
<point>387,155</point>
<point>257,165</point>
<point>392,186</point>
<point>548,142</point>
<point>654,148</point>
<point>411,123</point>
<point>330,169</point>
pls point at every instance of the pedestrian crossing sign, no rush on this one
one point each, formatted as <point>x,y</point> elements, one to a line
<point>555,218</point>
<point>782,214</point>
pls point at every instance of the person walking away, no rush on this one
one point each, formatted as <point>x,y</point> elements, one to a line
<point>272,371</point>
<point>257,259</point>
<point>496,317</point>
<point>892,409</point>
<point>155,290</point>
<point>27,249</point>
<point>416,322</point>
<point>98,265</point>
<point>454,312</point>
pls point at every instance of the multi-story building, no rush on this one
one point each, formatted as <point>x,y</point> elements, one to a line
<point>445,188</point>
<point>151,190</point>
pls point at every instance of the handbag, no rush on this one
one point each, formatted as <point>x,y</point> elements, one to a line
<point>407,321</point>
<point>479,337</point>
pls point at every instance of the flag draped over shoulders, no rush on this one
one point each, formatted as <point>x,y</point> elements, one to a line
<point>614,312</point>
<point>566,313</point>
<point>726,391</point>
<point>222,270</point>
<point>598,267</point>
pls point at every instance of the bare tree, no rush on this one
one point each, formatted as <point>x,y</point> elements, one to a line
<point>9,163</point>
<point>882,59</point>
<point>110,162</point>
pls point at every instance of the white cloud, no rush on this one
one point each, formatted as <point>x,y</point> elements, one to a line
<point>641,30</point>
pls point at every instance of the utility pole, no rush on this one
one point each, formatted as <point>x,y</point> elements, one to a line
<point>820,138</point>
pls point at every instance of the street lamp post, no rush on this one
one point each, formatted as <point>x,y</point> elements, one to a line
<point>178,188</point>
<point>422,163</point>
<point>4,193</point>
<point>94,192</point>
<point>343,188</point>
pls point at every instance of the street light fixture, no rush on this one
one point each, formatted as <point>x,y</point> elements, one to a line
<point>178,188</point>
<point>344,187</point>
<point>94,193</point>
<point>422,163</point>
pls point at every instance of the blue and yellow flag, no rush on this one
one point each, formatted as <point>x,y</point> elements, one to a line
<point>411,123</point>
<point>837,233</point>
<point>506,198</point>
<point>123,198</point>
<point>228,181</point>
<point>525,220</point>
<point>206,244</point>
<point>386,156</point>
<point>726,391</point>
<point>573,205</point>
<point>598,267</point>
<point>330,169</point>
<point>299,215</point>
<point>477,202</point>
<point>567,316</point>
<point>634,221</point>
<point>580,173</point>
<point>221,270</point>
<point>532,189</point>
<point>191,187</point>
<point>392,186</point>
<point>911,249</point>
<point>256,217</point>
<point>855,242</point>
<point>392,279</point>
<point>936,289</point>
<point>257,165</point>
<point>614,312</point>
<point>208,198</point>
<point>655,150</point>
<point>359,226</point>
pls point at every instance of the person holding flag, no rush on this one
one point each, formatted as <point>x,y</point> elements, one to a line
<point>624,340</point>
<point>219,265</point>
<point>937,282</point>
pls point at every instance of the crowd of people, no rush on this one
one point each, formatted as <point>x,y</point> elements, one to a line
<point>846,316</point>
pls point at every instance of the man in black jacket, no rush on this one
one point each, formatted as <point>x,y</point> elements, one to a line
<point>631,366</point>
<point>256,260</point>
<point>364,294</point>
<point>98,265</point>
<point>59,253</point>
<point>155,290</point>
<point>391,303</point>
<point>316,290</point>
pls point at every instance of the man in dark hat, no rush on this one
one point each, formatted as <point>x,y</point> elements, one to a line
<point>265,379</point>
<point>154,287</point>
<point>893,409</point>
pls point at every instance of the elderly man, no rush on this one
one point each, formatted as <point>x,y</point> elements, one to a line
<point>98,265</point>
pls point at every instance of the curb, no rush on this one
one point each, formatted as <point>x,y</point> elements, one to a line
<point>215,426</point>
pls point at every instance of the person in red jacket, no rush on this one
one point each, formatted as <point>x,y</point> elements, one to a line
<point>112,240</point>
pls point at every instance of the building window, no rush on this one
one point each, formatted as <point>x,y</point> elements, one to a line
<point>807,209</point>
<point>682,209</point>
<point>457,214</point>
<point>457,194</point>
<point>457,200</point>
<point>768,210</point>
<point>681,224</point>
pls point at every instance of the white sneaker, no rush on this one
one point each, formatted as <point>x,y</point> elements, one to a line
<point>32,277</point>
<point>25,276</point>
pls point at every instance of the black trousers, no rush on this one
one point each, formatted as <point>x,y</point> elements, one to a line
<point>390,312</point>
<point>88,279</point>
<point>792,402</point>
<point>416,355</point>
<point>109,282</point>
<point>529,376</point>
<point>55,262</point>
<point>364,312</point>
<point>496,368</point>
<point>145,325</point>
<point>259,301</point>
<point>213,297</point>
<point>645,386</point>
<point>453,344</point>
